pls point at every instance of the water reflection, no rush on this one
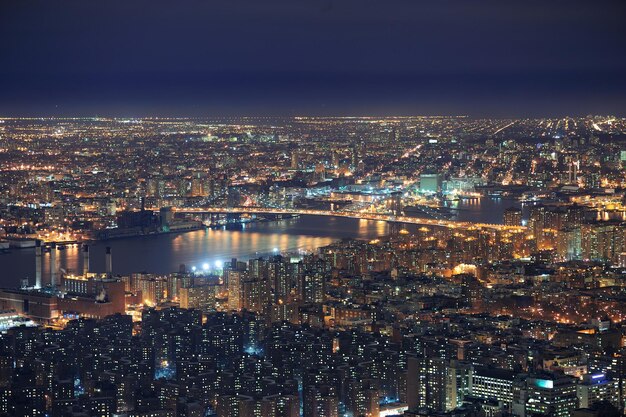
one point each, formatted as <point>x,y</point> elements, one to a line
<point>481,210</point>
<point>164,253</point>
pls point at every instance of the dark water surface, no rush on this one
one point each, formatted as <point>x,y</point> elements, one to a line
<point>164,253</point>
<point>482,210</point>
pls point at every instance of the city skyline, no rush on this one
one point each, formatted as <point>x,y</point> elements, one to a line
<point>315,208</point>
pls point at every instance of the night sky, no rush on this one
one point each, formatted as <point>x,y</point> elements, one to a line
<point>332,57</point>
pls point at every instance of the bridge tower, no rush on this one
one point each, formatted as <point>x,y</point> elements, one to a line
<point>394,228</point>
<point>395,203</point>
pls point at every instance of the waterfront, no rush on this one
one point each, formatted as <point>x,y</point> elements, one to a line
<point>165,253</point>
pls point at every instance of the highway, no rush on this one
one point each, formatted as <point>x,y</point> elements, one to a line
<point>348,214</point>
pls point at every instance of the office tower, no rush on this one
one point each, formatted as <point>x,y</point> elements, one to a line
<point>395,134</point>
<point>550,393</point>
<point>458,385</point>
<point>492,383</point>
<point>596,388</point>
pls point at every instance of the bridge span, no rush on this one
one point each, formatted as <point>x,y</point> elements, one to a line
<point>349,214</point>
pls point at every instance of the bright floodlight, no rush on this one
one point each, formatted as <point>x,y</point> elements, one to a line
<point>219,264</point>
<point>205,266</point>
<point>275,249</point>
<point>193,268</point>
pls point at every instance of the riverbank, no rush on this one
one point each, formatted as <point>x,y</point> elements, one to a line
<point>164,253</point>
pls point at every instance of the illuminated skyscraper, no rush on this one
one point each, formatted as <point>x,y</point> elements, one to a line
<point>426,383</point>
<point>235,289</point>
<point>513,216</point>
<point>551,394</point>
<point>200,297</point>
<point>597,388</point>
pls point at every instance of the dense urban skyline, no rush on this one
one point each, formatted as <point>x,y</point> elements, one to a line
<point>317,208</point>
<point>394,266</point>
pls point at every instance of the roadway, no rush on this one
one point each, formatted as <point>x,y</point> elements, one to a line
<point>348,214</point>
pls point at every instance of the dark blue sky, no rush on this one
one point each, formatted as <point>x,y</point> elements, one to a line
<point>285,57</point>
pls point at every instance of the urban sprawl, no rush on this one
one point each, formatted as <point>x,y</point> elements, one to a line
<point>521,315</point>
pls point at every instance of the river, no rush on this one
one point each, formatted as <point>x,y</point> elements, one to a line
<point>165,253</point>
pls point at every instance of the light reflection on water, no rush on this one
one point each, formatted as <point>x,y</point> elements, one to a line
<point>481,210</point>
<point>164,253</point>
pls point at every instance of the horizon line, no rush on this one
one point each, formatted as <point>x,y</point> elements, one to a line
<point>304,116</point>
